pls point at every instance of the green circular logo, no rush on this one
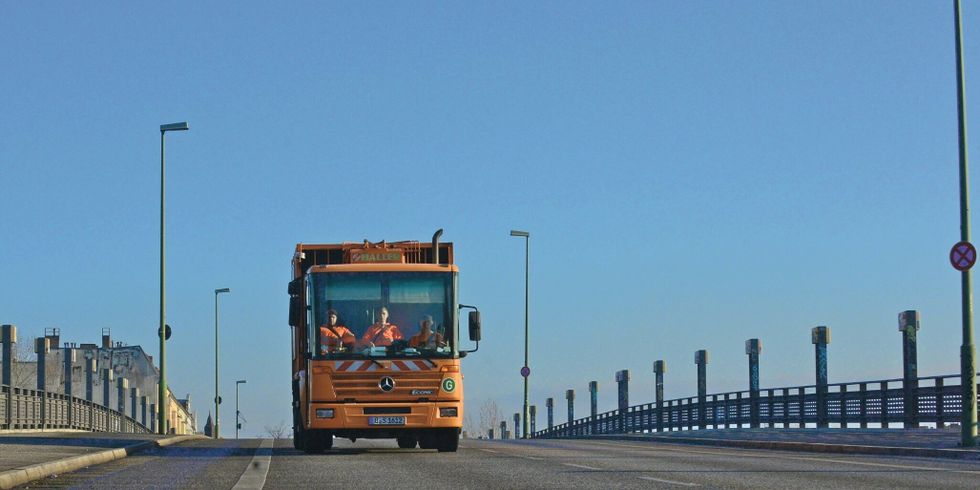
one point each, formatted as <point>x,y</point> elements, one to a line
<point>448,385</point>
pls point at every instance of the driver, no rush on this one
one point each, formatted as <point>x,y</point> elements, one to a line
<point>381,333</point>
<point>334,336</point>
<point>426,337</point>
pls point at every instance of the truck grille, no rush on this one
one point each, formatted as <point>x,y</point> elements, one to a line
<point>364,386</point>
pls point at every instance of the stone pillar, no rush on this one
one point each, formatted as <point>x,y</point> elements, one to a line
<point>701,359</point>
<point>908,324</point>
<point>134,393</point>
<point>8,335</point>
<point>594,405</point>
<point>623,396</point>
<point>41,347</point>
<point>107,388</point>
<point>143,410</point>
<point>153,418</point>
<point>69,360</point>
<point>550,405</point>
<point>570,396</point>
<point>503,429</point>
<point>517,425</point>
<point>659,368</point>
<point>753,347</point>
<point>490,433</point>
<point>534,418</point>
<point>122,385</point>
<point>820,336</point>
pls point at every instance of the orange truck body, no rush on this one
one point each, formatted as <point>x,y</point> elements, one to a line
<point>362,390</point>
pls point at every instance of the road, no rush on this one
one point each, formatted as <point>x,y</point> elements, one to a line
<point>510,464</point>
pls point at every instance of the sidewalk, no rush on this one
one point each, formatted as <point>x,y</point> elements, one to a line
<point>898,442</point>
<point>27,456</point>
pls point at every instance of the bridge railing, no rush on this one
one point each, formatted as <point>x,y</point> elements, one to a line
<point>22,408</point>
<point>937,399</point>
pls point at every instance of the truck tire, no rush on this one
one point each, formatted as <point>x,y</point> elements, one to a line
<point>407,442</point>
<point>429,439</point>
<point>448,441</point>
<point>317,441</point>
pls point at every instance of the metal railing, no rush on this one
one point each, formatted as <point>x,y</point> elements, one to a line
<point>933,399</point>
<point>22,408</point>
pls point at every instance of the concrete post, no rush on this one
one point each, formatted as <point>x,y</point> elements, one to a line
<point>69,360</point>
<point>753,347</point>
<point>503,429</point>
<point>8,334</point>
<point>659,368</point>
<point>490,433</point>
<point>820,337</point>
<point>570,396</point>
<point>41,347</point>
<point>122,384</point>
<point>107,388</point>
<point>517,425</point>
<point>153,418</point>
<point>134,394</point>
<point>908,324</point>
<point>143,410</point>
<point>550,404</point>
<point>533,411</point>
<point>594,405</point>
<point>623,395</point>
<point>701,359</point>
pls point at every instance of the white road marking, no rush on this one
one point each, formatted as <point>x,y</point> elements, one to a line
<point>746,453</point>
<point>258,468</point>
<point>581,466</point>
<point>672,482</point>
<point>488,450</point>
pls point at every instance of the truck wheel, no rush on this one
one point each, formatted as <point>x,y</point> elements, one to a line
<point>407,442</point>
<point>448,441</point>
<point>313,442</point>
<point>428,439</point>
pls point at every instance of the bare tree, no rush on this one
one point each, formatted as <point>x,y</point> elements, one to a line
<point>490,416</point>
<point>277,431</point>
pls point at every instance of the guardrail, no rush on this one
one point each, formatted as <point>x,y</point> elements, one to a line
<point>935,399</point>
<point>22,408</point>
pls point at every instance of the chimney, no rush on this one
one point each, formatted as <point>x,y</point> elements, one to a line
<point>106,338</point>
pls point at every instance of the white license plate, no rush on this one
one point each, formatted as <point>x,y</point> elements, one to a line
<point>386,420</point>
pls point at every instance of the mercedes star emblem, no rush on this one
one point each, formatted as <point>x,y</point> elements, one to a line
<point>386,384</point>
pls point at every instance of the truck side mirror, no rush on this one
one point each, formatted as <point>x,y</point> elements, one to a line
<point>475,326</point>
<point>296,286</point>
<point>296,311</point>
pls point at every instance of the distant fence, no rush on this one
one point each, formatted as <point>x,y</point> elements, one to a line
<point>935,399</point>
<point>22,409</point>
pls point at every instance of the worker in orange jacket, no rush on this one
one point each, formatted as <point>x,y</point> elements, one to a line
<point>381,333</point>
<point>426,337</point>
<point>333,336</point>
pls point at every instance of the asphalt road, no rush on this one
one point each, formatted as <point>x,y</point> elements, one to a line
<point>510,464</point>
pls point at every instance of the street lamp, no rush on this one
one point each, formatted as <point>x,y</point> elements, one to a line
<point>217,397</point>
<point>526,370</point>
<point>162,385</point>
<point>238,424</point>
<point>968,371</point>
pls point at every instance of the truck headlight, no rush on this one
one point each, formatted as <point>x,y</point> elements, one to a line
<point>324,413</point>
<point>448,412</point>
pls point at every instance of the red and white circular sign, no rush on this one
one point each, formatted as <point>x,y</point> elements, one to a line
<point>963,256</point>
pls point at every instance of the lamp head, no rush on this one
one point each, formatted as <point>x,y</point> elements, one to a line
<point>222,290</point>
<point>179,126</point>
<point>519,233</point>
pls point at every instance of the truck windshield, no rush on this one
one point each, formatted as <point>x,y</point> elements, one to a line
<point>358,315</point>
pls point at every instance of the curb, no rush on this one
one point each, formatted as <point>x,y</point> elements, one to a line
<point>20,476</point>
<point>816,447</point>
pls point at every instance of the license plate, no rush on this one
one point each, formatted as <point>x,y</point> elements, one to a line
<point>386,420</point>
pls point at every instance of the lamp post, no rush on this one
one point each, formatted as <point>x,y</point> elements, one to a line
<point>238,424</point>
<point>162,385</point>
<point>968,371</point>
<point>217,397</point>
<point>526,372</point>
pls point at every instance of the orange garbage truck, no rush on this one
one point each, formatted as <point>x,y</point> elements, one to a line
<point>376,344</point>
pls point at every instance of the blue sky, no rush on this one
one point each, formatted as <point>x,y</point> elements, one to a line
<point>693,174</point>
